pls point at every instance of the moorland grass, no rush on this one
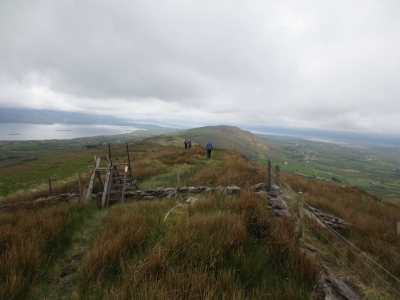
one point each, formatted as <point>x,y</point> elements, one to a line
<point>30,239</point>
<point>223,248</point>
<point>126,232</point>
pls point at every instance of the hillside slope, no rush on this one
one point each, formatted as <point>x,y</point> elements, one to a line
<point>227,137</point>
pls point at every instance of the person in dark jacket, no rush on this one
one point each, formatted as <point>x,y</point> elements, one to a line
<point>209,148</point>
<point>186,144</point>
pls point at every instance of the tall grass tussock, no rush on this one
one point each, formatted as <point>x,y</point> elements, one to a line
<point>223,247</point>
<point>29,239</point>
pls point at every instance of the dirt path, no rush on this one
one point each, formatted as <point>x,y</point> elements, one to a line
<point>63,278</point>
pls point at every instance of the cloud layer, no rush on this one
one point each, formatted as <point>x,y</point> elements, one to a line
<point>304,64</point>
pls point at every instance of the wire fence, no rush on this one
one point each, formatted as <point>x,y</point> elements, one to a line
<point>338,242</point>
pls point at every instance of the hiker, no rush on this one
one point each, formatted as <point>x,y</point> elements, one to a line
<point>189,144</point>
<point>186,144</point>
<point>209,147</point>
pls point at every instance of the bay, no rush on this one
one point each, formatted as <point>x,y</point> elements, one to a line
<point>24,132</point>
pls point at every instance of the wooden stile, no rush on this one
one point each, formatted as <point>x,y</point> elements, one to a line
<point>118,177</point>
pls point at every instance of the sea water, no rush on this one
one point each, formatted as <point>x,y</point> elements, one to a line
<point>22,131</point>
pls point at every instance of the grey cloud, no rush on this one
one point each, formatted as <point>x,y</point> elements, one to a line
<point>303,63</point>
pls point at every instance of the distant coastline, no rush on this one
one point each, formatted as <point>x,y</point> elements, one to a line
<point>26,132</point>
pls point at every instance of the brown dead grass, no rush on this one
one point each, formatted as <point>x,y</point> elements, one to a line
<point>228,167</point>
<point>374,222</point>
<point>224,249</point>
<point>29,238</point>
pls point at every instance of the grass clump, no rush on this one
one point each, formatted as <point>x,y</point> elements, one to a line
<point>127,231</point>
<point>30,239</point>
<point>222,248</point>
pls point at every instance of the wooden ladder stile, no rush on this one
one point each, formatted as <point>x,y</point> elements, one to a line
<point>115,182</point>
<point>118,178</point>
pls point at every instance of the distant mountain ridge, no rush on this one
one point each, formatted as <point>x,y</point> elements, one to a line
<point>33,116</point>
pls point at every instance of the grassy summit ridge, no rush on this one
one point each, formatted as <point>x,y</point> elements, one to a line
<point>227,137</point>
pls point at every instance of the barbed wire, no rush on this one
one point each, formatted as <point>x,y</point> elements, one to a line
<point>347,259</point>
<point>343,240</point>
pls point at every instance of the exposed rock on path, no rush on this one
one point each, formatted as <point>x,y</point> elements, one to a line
<point>129,195</point>
<point>328,219</point>
<point>329,287</point>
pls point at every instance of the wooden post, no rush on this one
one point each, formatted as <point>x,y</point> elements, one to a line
<point>301,214</point>
<point>106,189</point>
<point>109,154</point>
<point>90,188</point>
<point>178,178</point>
<point>278,176</point>
<point>398,228</point>
<point>50,189</point>
<point>269,177</point>
<point>80,186</point>
<point>129,165</point>
<point>97,165</point>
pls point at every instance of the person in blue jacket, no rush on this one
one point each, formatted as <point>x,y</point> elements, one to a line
<point>209,147</point>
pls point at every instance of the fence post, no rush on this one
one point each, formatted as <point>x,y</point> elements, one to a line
<point>269,177</point>
<point>50,188</point>
<point>178,178</point>
<point>301,214</point>
<point>80,186</point>
<point>398,228</point>
<point>278,176</point>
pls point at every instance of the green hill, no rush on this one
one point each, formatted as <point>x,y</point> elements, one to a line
<point>227,137</point>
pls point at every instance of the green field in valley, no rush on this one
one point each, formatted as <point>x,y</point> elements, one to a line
<point>372,168</point>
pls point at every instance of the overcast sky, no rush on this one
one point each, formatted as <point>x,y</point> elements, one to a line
<point>302,64</point>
